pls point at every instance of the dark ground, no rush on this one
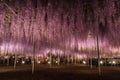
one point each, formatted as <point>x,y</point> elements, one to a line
<point>62,72</point>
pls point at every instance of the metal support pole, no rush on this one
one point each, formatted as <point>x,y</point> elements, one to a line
<point>33,65</point>
<point>58,60</point>
<point>91,63</point>
<point>50,59</point>
<point>33,59</point>
<point>15,61</point>
<point>75,59</point>
<point>68,59</point>
<point>99,69</point>
<point>8,61</point>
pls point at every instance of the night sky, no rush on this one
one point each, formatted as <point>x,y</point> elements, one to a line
<point>69,26</point>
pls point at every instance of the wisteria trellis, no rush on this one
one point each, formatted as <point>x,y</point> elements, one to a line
<point>60,24</point>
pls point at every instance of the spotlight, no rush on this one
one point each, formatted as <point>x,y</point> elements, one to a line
<point>56,62</point>
<point>49,62</point>
<point>23,62</point>
<point>17,61</point>
<point>101,62</point>
<point>38,62</point>
<point>84,62</point>
<point>113,62</point>
<point>110,62</point>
